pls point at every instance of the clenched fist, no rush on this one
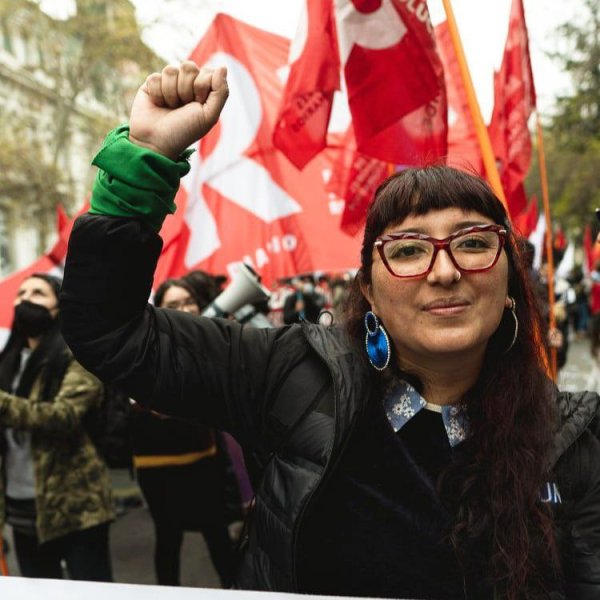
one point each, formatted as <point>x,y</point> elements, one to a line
<point>176,107</point>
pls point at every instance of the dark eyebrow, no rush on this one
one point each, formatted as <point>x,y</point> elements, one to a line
<point>35,290</point>
<point>458,227</point>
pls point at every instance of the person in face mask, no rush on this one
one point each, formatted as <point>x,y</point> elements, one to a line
<point>54,488</point>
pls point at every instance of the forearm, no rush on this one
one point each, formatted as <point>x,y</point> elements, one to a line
<point>113,250</point>
<point>78,393</point>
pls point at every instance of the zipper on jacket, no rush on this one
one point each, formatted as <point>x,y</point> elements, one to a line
<point>328,469</point>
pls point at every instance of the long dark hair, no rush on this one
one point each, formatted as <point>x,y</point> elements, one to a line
<point>497,478</point>
<point>49,360</point>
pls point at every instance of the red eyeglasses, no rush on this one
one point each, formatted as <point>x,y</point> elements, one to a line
<point>471,250</point>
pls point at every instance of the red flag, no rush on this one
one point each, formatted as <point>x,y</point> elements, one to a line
<point>463,146</point>
<point>394,79</point>
<point>560,240</point>
<point>588,249</point>
<point>514,101</point>
<point>243,200</point>
<point>175,235</point>
<point>396,94</point>
<point>356,178</point>
<point>526,221</point>
<point>301,128</point>
<point>62,219</point>
<point>9,287</point>
<point>51,262</point>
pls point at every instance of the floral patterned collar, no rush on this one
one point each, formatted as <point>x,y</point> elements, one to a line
<point>403,402</point>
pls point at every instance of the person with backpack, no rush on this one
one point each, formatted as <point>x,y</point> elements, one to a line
<point>55,490</point>
<point>417,450</point>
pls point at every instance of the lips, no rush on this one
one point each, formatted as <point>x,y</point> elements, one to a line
<point>446,305</point>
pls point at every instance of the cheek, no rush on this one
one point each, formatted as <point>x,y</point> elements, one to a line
<point>389,294</point>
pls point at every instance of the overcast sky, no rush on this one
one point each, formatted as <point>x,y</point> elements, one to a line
<point>175,26</point>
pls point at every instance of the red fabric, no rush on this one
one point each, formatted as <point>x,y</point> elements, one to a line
<point>591,249</point>
<point>560,240</point>
<point>10,285</point>
<point>463,146</point>
<point>595,298</point>
<point>514,101</point>
<point>359,177</point>
<point>526,221</point>
<point>588,248</point>
<point>301,128</point>
<point>394,79</point>
<point>62,219</point>
<point>243,200</point>
<point>396,94</point>
<point>51,262</point>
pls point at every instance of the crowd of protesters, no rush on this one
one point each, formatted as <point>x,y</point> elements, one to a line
<point>419,451</point>
<point>192,477</point>
<point>184,470</point>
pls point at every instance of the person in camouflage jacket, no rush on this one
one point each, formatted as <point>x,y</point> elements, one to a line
<point>45,449</point>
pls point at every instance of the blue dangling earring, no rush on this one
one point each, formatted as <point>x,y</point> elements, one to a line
<point>376,342</point>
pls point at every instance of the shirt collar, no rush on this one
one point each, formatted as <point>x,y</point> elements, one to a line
<point>403,402</point>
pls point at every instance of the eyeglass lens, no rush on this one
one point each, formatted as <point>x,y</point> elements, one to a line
<point>472,251</point>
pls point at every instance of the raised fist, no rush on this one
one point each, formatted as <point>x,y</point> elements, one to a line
<point>176,107</point>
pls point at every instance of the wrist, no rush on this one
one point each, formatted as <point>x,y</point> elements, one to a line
<point>153,147</point>
<point>135,180</point>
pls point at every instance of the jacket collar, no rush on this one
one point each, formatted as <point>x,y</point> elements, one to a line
<point>403,402</point>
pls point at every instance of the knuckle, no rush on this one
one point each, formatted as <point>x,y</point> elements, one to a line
<point>170,70</point>
<point>189,67</point>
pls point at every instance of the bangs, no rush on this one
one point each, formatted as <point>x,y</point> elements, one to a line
<point>419,191</point>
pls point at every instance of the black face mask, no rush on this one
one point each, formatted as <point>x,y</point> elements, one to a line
<point>31,320</point>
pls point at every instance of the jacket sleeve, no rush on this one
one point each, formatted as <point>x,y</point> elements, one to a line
<point>79,391</point>
<point>582,559</point>
<point>214,371</point>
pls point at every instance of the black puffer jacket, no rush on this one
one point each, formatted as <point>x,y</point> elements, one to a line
<point>290,396</point>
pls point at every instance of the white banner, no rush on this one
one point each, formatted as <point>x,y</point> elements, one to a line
<point>52,589</point>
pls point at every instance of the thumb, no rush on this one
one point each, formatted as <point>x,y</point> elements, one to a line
<point>219,92</point>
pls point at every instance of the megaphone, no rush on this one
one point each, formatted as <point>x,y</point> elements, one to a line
<point>245,288</point>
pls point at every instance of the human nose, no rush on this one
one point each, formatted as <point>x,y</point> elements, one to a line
<point>443,269</point>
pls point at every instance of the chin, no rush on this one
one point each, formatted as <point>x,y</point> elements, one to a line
<point>441,344</point>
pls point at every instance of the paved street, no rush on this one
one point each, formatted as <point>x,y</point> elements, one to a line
<point>132,540</point>
<point>580,372</point>
<point>132,535</point>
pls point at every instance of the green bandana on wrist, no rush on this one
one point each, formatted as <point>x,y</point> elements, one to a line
<point>134,181</point>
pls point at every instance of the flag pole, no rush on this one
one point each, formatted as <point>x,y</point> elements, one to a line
<point>487,153</point>
<point>550,257</point>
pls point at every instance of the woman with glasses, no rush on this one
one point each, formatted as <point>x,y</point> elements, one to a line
<point>416,450</point>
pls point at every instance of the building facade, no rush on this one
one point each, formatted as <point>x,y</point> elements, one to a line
<point>63,84</point>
